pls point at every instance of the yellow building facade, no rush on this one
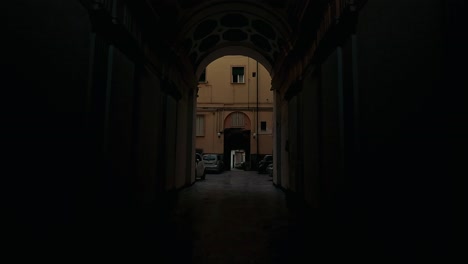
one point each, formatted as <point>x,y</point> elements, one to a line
<point>234,114</point>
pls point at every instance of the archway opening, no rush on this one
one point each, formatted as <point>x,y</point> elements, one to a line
<point>235,111</point>
<point>237,148</point>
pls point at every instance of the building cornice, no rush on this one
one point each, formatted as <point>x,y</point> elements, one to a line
<point>215,109</point>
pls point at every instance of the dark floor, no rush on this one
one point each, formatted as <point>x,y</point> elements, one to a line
<point>231,217</point>
<point>241,217</point>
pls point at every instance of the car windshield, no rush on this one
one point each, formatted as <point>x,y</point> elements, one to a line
<point>209,157</point>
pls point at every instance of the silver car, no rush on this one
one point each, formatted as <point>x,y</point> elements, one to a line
<point>213,162</point>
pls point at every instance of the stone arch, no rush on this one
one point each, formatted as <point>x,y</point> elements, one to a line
<point>236,136</point>
<point>214,29</point>
<point>233,50</point>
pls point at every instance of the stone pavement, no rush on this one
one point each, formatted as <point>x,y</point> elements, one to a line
<point>237,217</point>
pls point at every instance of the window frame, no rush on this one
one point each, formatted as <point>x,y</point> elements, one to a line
<point>197,126</point>
<point>261,126</point>
<point>235,116</point>
<point>243,75</point>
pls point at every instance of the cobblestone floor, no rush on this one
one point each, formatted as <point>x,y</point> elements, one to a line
<point>237,217</point>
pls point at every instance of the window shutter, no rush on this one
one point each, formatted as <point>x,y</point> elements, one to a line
<point>237,70</point>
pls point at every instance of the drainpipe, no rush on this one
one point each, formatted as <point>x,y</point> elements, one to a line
<point>248,84</point>
<point>256,125</point>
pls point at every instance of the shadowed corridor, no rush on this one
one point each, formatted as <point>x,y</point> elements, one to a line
<point>369,131</point>
<point>235,217</point>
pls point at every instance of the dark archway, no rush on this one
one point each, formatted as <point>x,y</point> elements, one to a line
<point>236,138</point>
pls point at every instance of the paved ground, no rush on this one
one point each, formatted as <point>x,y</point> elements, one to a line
<point>237,217</point>
<point>232,217</point>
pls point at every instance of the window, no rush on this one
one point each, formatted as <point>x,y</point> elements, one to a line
<point>210,157</point>
<point>238,75</point>
<point>202,77</point>
<point>237,119</point>
<point>200,126</point>
<point>263,126</point>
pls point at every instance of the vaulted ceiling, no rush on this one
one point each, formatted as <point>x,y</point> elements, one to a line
<point>204,30</point>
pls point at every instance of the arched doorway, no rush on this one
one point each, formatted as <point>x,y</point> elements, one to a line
<point>236,139</point>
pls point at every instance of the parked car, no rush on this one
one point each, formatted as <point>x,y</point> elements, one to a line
<point>213,162</point>
<point>263,164</point>
<point>199,167</point>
